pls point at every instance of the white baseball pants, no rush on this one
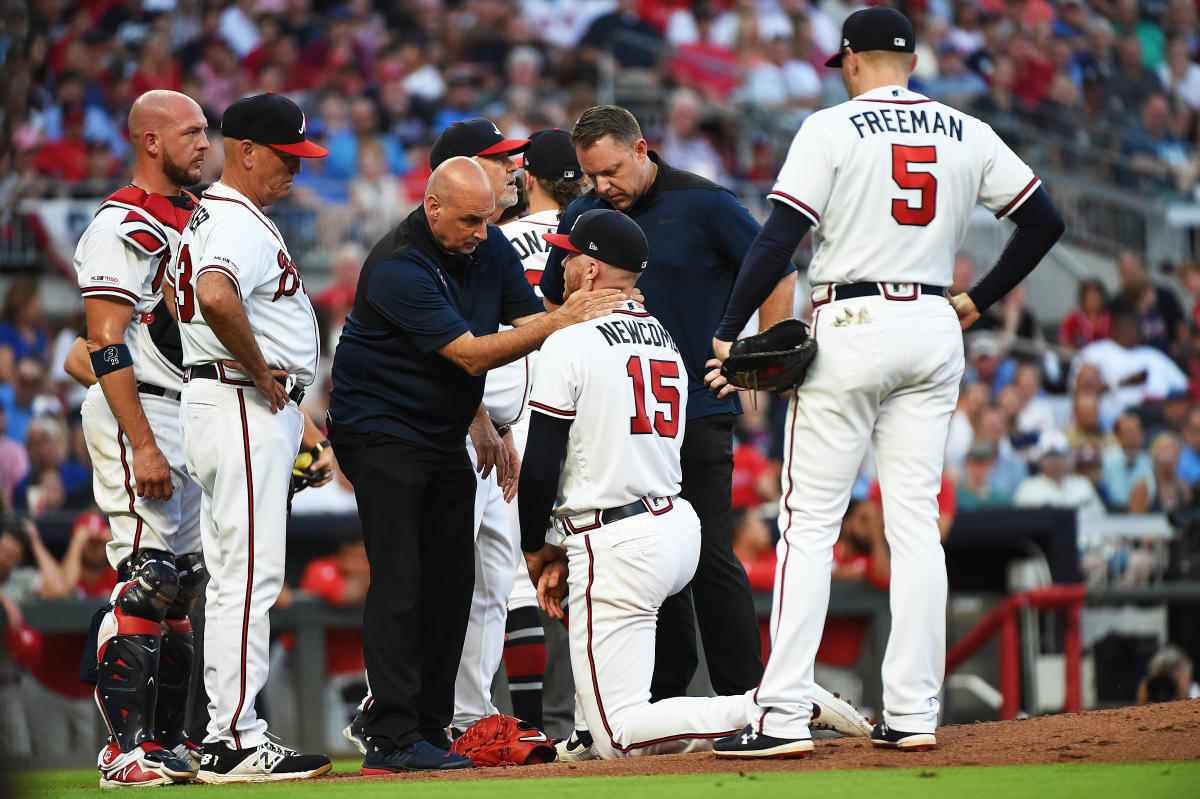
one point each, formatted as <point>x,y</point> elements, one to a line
<point>241,455</point>
<point>619,577</point>
<point>887,372</point>
<point>171,525</point>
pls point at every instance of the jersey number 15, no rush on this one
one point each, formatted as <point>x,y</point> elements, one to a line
<point>903,211</point>
<point>665,425</point>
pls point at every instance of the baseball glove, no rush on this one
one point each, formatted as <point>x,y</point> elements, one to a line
<point>504,741</point>
<point>777,359</point>
<point>302,478</point>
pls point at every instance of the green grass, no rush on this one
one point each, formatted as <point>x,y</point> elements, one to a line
<point>1175,780</point>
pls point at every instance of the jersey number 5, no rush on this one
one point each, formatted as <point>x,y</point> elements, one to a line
<point>639,423</point>
<point>902,211</point>
<point>185,303</point>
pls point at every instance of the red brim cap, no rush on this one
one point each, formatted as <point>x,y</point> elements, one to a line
<point>560,240</point>
<point>304,149</point>
<point>506,146</point>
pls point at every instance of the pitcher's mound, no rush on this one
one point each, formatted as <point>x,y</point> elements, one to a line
<point>1168,731</point>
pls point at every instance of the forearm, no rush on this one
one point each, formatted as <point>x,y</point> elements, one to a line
<point>763,268</point>
<point>54,583</point>
<point>778,306</point>
<point>78,365</point>
<point>539,477</point>
<point>1038,227</point>
<point>120,391</point>
<point>312,434</point>
<point>478,354</point>
<point>72,562</point>
<point>223,311</point>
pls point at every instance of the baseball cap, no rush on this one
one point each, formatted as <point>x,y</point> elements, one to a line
<point>270,119</point>
<point>551,156</point>
<point>607,236</point>
<point>472,137</point>
<point>877,28</point>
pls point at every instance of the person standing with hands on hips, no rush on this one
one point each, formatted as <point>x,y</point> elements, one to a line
<point>250,348</point>
<point>888,181</point>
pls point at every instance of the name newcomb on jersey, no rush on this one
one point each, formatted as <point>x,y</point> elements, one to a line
<point>226,233</point>
<point>629,432</point>
<point>891,158</point>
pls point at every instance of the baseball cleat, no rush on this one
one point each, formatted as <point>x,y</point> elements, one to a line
<point>143,766</point>
<point>419,755</point>
<point>579,746</point>
<point>831,712</point>
<point>884,737</point>
<point>748,744</point>
<point>267,762</point>
<point>355,734</point>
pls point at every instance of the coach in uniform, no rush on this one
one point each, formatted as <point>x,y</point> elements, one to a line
<point>408,379</point>
<point>698,234</point>
<point>250,346</point>
<point>888,180</point>
<point>131,425</point>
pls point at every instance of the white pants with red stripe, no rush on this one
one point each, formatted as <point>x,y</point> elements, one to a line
<point>619,576</point>
<point>886,372</point>
<point>241,455</point>
<point>171,525</point>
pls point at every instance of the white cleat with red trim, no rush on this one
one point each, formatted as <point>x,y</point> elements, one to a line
<point>831,712</point>
<point>142,767</point>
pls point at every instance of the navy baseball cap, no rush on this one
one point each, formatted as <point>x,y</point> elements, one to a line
<point>608,236</point>
<point>551,156</point>
<point>877,28</point>
<point>270,119</point>
<point>472,137</point>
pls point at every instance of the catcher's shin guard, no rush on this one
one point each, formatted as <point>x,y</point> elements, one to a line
<point>127,655</point>
<point>177,653</point>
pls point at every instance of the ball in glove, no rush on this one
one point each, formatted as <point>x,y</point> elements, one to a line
<point>777,359</point>
<point>302,478</point>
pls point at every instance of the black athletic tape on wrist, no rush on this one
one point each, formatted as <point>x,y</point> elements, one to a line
<point>110,359</point>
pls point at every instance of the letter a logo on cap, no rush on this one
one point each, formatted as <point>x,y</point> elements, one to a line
<point>303,124</point>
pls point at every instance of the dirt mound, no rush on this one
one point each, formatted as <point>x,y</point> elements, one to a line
<point>1169,731</point>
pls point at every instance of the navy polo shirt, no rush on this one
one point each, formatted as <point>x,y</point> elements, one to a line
<point>698,233</point>
<point>412,298</point>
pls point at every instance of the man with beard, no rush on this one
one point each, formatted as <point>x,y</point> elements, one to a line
<point>131,424</point>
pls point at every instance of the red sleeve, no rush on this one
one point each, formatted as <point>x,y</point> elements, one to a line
<point>947,499</point>
<point>1068,330</point>
<point>322,578</point>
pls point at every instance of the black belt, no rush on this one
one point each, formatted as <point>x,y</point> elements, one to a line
<point>902,291</point>
<point>208,371</point>
<point>638,506</point>
<point>158,391</point>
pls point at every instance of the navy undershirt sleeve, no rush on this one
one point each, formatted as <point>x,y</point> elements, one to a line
<point>765,264</point>
<point>538,488</point>
<point>1038,227</point>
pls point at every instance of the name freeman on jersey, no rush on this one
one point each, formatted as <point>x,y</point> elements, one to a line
<point>630,331</point>
<point>907,120</point>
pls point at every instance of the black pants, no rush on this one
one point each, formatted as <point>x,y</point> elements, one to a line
<point>416,505</point>
<point>719,594</point>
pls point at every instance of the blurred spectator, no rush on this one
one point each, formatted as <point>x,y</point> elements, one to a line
<point>221,79</point>
<point>955,83</point>
<point>21,582</point>
<point>703,65</point>
<point>238,28</point>
<point>22,326</point>
<point>55,479</point>
<point>1128,472</point>
<point>336,299</point>
<point>972,399</point>
<point>752,545</point>
<point>65,158</point>
<point>1179,74</point>
<point>1000,107</point>
<point>1037,412</point>
<point>1169,677</point>
<point>947,504</point>
<point>1020,334</point>
<point>1127,21</point>
<point>1189,458</point>
<point>975,490</point>
<point>1055,486</point>
<point>1157,157</point>
<point>376,194</point>
<point>1134,372</point>
<point>1091,321</point>
<point>157,69</point>
<point>861,552</point>
<point>782,83</point>
<point>1172,492</point>
<point>755,481</point>
<point>986,362</point>
<point>19,398</point>
<point>1161,316</point>
<point>1086,427</point>
<point>1010,468</point>
<point>1130,81</point>
<point>344,143</point>
<point>14,463</point>
<point>684,144</point>
<point>624,36</point>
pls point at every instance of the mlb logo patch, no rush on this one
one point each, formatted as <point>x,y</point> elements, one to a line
<point>899,41</point>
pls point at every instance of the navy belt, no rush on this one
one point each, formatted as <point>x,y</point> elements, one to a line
<point>892,291</point>
<point>209,371</point>
<point>158,391</point>
<point>591,520</point>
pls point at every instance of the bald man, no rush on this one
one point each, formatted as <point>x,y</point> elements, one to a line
<point>131,425</point>
<point>408,379</point>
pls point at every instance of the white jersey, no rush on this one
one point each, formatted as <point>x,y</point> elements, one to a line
<point>123,255</point>
<point>507,387</point>
<point>228,234</point>
<point>890,180</point>
<point>620,379</point>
